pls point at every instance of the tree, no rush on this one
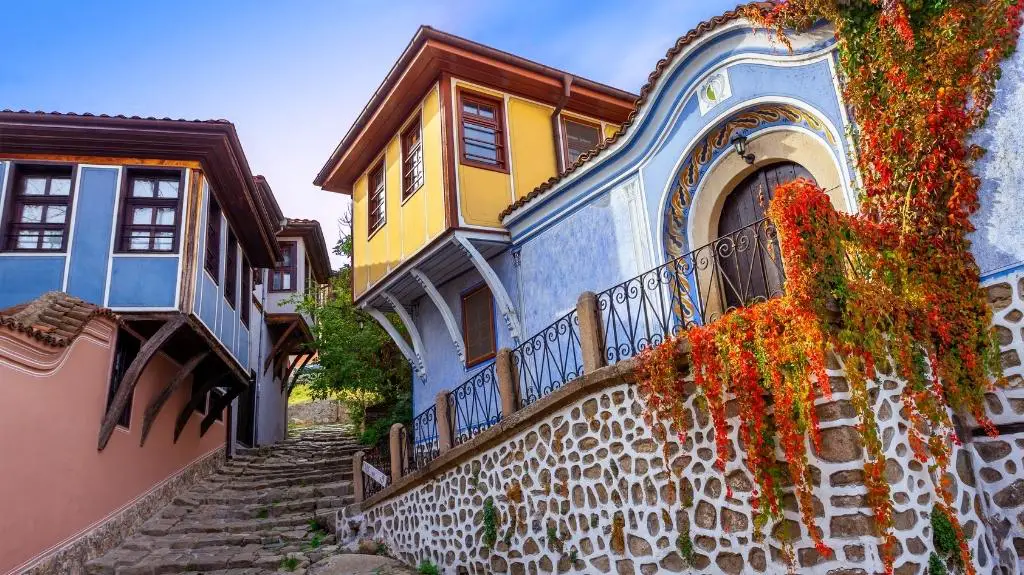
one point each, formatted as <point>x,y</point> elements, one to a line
<point>357,360</point>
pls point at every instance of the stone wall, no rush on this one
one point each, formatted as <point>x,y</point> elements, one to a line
<point>318,413</point>
<point>587,488</point>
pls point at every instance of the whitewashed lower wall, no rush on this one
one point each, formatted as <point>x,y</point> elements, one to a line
<point>588,489</point>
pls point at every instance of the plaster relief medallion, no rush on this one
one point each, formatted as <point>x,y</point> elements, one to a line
<point>713,91</point>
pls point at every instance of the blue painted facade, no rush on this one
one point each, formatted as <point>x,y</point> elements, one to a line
<point>209,305</point>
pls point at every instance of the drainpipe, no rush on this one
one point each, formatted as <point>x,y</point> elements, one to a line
<point>556,124</point>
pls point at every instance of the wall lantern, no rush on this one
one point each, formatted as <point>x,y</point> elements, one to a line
<point>739,143</point>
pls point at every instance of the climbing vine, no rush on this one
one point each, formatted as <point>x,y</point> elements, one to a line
<point>892,289</point>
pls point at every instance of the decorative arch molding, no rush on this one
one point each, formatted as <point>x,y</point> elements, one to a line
<point>716,141</point>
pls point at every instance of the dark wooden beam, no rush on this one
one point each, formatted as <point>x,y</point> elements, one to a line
<point>131,376</point>
<point>279,344</point>
<point>223,402</point>
<point>158,402</point>
<point>297,369</point>
<point>193,402</point>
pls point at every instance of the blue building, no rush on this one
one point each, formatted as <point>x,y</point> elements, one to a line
<point>161,222</point>
<point>663,220</point>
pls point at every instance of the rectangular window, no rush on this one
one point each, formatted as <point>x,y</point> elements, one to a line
<point>482,134</point>
<point>213,240</point>
<point>215,396</point>
<point>478,324</point>
<point>150,211</point>
<point>246,301</point>
<point>231,270</point>
<point>126,348</point>
<point>201,402</point>
<point>39,209</point>
<point>375,206</point>
<point>412,159</point>
<point>578,137</point>
<point>282,278</point>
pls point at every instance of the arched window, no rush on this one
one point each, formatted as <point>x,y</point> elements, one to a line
<point>749,262</point>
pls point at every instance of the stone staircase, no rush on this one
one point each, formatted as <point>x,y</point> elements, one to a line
<point>268,509</point>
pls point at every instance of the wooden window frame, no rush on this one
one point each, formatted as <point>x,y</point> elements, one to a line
<point>128,202</point>
<point>372,191</point>
<point>120,362</point>
<point>231,270</point>
<point>474,361</point>
<point>213,232</point>
<point>565,136</point>
<point>293,269</point>
<point>497,124</point>
<point>9,227</point>
<point>411,157</point>
<point>246,300</point>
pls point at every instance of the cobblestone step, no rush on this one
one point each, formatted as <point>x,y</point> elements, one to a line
<point>259,511</point>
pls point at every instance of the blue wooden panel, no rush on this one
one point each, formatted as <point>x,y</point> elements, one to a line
<point>227,326</point>
<point>90,244</point>
<point>209,296</point>
<point>140,281</point>
<point>242,349</point>
<point>24,278</point>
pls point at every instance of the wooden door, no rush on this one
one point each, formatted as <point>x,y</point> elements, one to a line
<point>750,265</point>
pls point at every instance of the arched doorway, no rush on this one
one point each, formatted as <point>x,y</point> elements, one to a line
<point>747,251</point>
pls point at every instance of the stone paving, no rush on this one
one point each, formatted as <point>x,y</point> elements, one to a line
<point>267,510</point>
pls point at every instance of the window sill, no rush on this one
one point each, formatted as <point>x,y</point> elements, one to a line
<point>501,168</point>
<point>470,364</point>
<point>374,231</point>
<point>407,197</point>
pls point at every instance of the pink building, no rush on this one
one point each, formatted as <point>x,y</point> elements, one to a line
<point>132,251</point>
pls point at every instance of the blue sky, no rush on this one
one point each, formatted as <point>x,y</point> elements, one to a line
<point>293,75</point>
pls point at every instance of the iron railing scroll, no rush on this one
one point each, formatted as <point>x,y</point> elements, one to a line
<point>421,442</point>
<point>376,468</point>
<point>736,270</point>
<point>474,406</point>
<point>549,359</point>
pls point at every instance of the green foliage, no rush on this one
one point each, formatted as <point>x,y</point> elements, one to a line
<point>358,362</point>
<point>263,514</point>
<point>947,544</point>
<point>317,540</point>
<point>428,568</point>
<point>685,546</point>
<point>936,566</point>
<point>290,564</point>
<point>490,523</point>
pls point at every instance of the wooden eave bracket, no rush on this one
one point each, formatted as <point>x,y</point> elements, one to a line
<point>508,311</point>
<point>193,402</point>
<point>131,376</point>
<point>153,410</point>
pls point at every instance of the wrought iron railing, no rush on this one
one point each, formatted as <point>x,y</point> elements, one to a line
<point>735,270</point>
<point>379,457</point>
<point>549,359</point>
<point>421,442</point>
<point>474,406</point>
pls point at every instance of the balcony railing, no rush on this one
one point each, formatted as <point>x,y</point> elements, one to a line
<point>548,360</point>
<point>421,442</point>
<point>379,457</point>
<point>474,406</point>
<point>735,270</point>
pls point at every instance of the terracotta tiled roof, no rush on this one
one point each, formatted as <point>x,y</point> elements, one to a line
<point>652,80</point>
<point>121,116</point>
<point>54,318</point>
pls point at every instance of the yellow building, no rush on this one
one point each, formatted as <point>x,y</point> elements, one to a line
<point>456,133</point>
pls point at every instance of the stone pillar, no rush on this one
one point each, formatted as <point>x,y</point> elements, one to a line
<point>357,475</point>
<point>444,427</point>
<point>395,445</point>
<point>508,388</point>
<point>591,338</point>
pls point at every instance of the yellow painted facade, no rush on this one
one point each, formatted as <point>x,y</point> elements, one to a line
<point>481,193</point>
<point>530,141</point>
<point>410,224</point>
